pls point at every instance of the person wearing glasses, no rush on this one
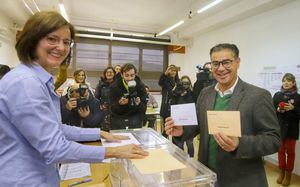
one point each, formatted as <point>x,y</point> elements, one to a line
<point>32,138</point>
<point>236,161</point>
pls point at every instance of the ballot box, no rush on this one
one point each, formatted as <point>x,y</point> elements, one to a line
<point>147,137</point>
<point>167,165</point>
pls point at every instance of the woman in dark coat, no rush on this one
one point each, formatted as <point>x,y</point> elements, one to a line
<point>167,81</point>
<point>128,99</point>
<point>287,104</point>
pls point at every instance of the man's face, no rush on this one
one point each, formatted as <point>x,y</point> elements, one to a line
<point>129,75</point>
<point>74,93</point>
<point>226,77</point>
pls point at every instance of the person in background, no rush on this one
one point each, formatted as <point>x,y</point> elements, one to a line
<point>79,76</point>
<point>3,70</point>
<point>79,108</point>
<point>151,103</point>
<point>103,94</point>
<point>117,69</point>
<point>128,99</point>
<point>183,93</point>
<point>237,161</point>
<point>287,104</point>
<point>167,81</point>
<point>32,138</point>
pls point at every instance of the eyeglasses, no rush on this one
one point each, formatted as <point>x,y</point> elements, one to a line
<point>225,63</point>
<point>54,40</point>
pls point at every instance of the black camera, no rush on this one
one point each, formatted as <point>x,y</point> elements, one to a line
<point>205,68</point>
<point>179,89</point>
<point>82,100</point>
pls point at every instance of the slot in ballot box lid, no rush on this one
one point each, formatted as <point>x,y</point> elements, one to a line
<point>123,172</point>
<point>147,137</point>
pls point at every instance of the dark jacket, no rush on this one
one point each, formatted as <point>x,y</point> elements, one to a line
<point>102,91</point>
<point>289,120</point>
<point>118,91</point>
<point>72,117</point>
<point>260,135</point>
<point>167,83</point>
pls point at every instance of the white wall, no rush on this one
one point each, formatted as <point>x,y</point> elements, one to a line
<point>7,41</point>
<point>268,39</point>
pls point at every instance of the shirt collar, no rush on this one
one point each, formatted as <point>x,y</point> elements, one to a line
<point>226,92</point>
<point>42,73</point>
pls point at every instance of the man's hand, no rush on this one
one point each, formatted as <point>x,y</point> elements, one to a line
<point>123,101</point>
<point>228,143</point>
<point>127,151</point>
<point>84,112</point>
<point>111,137</point>
<point>171,129</point>
<point>71,104</point>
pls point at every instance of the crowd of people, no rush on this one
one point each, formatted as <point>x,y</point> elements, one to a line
<point>40,129</point>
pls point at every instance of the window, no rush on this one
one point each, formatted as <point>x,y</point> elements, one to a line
<point>121,55</point>
<point>91,57</point>
<point>153,60</point>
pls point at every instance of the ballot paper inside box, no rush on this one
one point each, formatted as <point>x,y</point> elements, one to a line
<point>167,166</point>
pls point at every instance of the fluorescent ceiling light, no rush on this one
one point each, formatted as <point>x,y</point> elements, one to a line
<point>171,28</point>
<point>209,6</point>
<point>63,11</point>
<point>36,5</point>
<point>27,6</point>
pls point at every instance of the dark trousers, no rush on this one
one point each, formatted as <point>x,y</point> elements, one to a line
<point>151,119</point>
<point>180,143</point>
<point>131,122</point>
<point>286,154</point>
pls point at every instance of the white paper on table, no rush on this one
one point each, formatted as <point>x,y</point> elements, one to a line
<point>184,114</point>
<point>74,170</point>
<point>131,140</point>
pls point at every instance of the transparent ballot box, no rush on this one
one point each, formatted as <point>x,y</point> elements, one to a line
<point>147,137</point>
<point>124,172</point>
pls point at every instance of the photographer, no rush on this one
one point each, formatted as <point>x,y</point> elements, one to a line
<point>204,79</point>
<point>167,81</point>
<point>128,98</point>
<point>80,108</point>
<point>183,93</point>
<point>103,94</point>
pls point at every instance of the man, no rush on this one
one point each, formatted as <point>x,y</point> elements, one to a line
<point>237,161</point>
<point>81,109</point>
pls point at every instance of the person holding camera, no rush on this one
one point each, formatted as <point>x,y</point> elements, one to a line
<point>167,81</point>
<point>183,93</point>
<point>33,140</point>
<point>287,104</point>
<point>103,93</point>
<point>128,98</point>
<point>79,108</point>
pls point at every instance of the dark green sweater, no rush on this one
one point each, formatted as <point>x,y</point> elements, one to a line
<point>221,104</point>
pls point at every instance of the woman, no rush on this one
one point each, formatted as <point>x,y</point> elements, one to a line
<point>32,138</point>
<point>167,81</point>
<point>183,93</point>
<point>103,94</point>
<point>128,99</point>
<point>287,104</point>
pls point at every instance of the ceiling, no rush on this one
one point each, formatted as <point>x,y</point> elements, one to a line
<point>145,16</point>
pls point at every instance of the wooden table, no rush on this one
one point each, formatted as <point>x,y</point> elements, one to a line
<point>100,175</point>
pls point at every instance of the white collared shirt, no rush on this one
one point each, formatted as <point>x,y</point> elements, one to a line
<point>226,92</point>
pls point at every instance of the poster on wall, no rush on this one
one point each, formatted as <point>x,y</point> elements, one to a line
<point>270,78</point>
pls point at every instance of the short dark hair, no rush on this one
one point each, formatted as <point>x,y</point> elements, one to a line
<point>232,47</point>
<point>128,66</point>
<point>36,28</point>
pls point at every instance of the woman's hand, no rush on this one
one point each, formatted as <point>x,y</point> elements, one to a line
<point>111,137</point>
<point>71,104</point>
<point>84,112</point>
<point>127,151</point>
<point>123,101</point>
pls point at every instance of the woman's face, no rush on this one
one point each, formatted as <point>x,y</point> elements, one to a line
<point>173,72</point>
<point>109,74</point>
<point>80,77</point>
<point>186,83</point>
<point>287,84</point>
<point>118,69</point>
<point>53,48</point>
